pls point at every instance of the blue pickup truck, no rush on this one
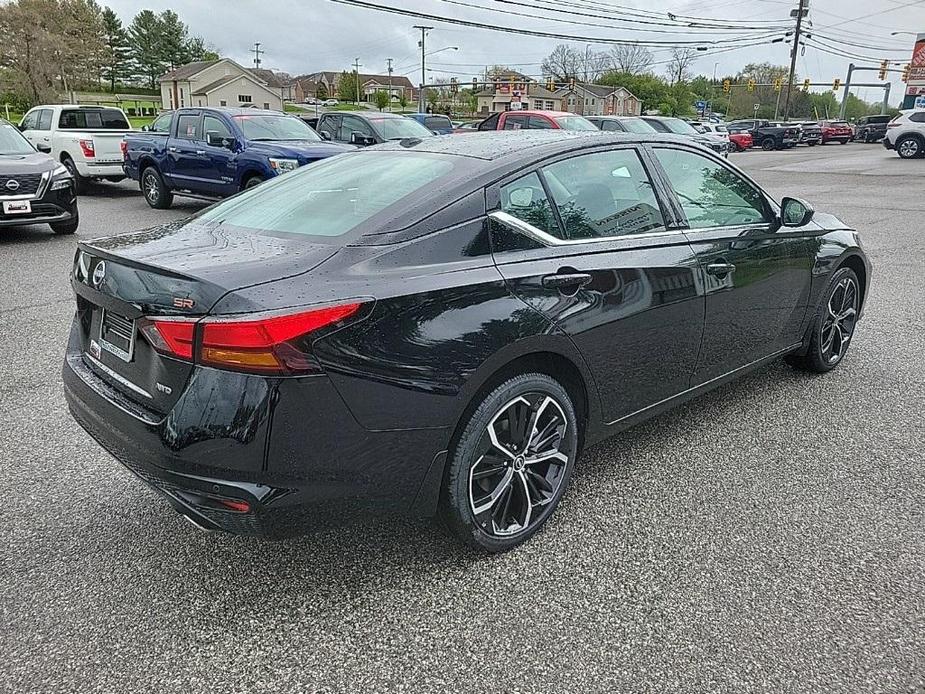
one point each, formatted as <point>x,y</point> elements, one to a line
<point>216,152</point>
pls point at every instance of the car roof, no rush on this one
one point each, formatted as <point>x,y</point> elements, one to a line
<point>497,144</point>
<point>377,115</point>
<point>541,112</point>
<point>232,110</point>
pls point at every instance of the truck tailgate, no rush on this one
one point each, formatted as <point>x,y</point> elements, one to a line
<point>107,147</point>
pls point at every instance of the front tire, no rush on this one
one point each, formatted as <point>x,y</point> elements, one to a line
<point>252,182</point>
<point>80,183</point>
<point>511,464</point>
<point>768,144</point>
<point>833,325</point>
<point>156,193</point>
<point>65,228</point>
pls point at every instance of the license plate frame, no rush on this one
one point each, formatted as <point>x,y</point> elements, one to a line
<point>117,350</point>
<point>13,207</point>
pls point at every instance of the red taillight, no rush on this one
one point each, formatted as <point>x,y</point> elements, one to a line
<point>87,147</point>
<point>264,345</point>
<point>173,337</point>
<point>235,505</point>
<point>123,145</point>
<point>259,345</point>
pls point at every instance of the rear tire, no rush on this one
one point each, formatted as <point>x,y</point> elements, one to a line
<point>156,193</point>
<point>80,183</point>
<point>511,464</point>
<point>833,325</point>
<point>768,144</point>
<point>909,147</point>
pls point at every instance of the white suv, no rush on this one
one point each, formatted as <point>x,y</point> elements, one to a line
<point>906,134</point>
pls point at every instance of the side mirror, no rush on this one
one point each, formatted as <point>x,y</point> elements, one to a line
<point>144,128</point>
<point>42,147</point>
<point>357,138</point>
<point>216,139</point>
<point>325,135</point>
<point>795,212</point>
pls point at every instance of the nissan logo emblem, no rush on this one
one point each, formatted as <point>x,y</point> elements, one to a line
<point>99,273</point>
<point>12,184</point>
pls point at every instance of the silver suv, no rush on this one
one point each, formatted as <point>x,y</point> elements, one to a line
<point>906,134</point>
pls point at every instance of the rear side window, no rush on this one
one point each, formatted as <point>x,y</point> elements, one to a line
<point>710,194</point>
<point>918,117</point>
<point>188,127</point>
<point>515,122</point>
<point>44,119</point>
<point>526,200</point>
<point>539,123</point>
<point>603,194</point>
<point>611,126</point>
<point>437,123</point>
<point>92,119</point>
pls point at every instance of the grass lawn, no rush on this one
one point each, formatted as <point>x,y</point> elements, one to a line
<point>137,122</point>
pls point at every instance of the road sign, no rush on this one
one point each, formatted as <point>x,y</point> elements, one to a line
<point>756,107</point>
<point>919,102</point>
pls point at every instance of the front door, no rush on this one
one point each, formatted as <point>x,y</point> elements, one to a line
<point>584,240</point>
<point>219,172</point>
<point>755,274</point>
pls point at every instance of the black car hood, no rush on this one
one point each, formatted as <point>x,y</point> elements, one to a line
<point>217,254</point>
<point>35,162</point>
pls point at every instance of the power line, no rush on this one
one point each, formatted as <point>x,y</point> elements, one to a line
<point>542,34</point>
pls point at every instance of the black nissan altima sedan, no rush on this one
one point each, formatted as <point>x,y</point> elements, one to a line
<point>439,326</point>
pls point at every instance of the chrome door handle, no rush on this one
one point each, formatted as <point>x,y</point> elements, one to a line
<point>720,269</point>
<point>200,151</point>
<point>566,280</point>
<point>171,149</point>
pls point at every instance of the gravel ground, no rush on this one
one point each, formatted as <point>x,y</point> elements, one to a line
<point>768,537</point>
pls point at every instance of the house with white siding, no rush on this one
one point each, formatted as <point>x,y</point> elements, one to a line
<point>220,83</point>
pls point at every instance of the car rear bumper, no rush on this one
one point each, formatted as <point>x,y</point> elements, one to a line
<point>318,467</point>
<point>96,170</point>
<point>886,143</point>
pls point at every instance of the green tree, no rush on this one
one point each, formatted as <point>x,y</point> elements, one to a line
<point>649,89</point>
<point>347,86</point>
<point>382,99</point>
<point>321,91</point>
<point>469,101</point>
<point>117,52</point>
<point>145,35</point>
<point>403,100</point>
<point>432,96</point>
<point>174,40</point>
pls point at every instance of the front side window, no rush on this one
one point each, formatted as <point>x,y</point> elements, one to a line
<point>612,126</point>
<point>710,194</point>
<point>603,194</point>
<point>526,200</point>
<point>331,197</point>
<point>30,121</point>
<point>215,126</point>
<point>539,123</point>
<point>330,126</point>
<point>398,128</point>
<point>352,124</point>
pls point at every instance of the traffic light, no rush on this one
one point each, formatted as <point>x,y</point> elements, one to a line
<point>751,85</point>
<point>906,72</point>
<point>806,85</point>
<point>778,84</point>
<point>475,84</point>
<point>836,85</point>
<point>454,87</point>
<point>550,85</point>
<point>883,66</point>
<point>727,86</point>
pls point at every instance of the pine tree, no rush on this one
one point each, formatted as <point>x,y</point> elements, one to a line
<point>145,33</point>
<point>117,51</point>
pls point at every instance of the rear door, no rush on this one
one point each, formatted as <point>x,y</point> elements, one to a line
<point>755,275</point>
<point>186,155</point>
<point>584,240</point>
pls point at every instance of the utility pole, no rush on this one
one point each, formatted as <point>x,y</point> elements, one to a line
<point>800,11</point>
<point>356,71</point>
<point>424,31</point>
<point>389,60</point>
<point>844,98</point>
<point>257,52</point>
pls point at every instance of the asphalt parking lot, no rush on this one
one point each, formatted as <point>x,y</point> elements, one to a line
<point>768,537</point>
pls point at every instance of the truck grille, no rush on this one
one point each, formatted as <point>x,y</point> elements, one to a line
<point>28,184</point>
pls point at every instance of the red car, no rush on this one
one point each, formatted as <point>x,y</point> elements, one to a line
<point>741,141</point>
<point>535,120</point>
<point>836,131</point>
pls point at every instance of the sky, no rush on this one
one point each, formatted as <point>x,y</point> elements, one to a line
<point>301,36</point>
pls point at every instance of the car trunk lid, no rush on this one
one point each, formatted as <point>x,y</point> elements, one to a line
<point>176,274</point>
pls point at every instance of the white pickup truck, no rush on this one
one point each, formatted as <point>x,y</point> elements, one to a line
<point>86,139</point>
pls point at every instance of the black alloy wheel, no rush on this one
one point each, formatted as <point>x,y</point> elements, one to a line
<point>834,324</point>
<point>512,463</point>
<point>80,183</point>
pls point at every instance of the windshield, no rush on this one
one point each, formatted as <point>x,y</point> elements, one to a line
<point>12,142</point>
<point>637,125</point>
<point>261,127</point>
<point>399,128</point>
<point>575,123</point>
<point>678,126</point>
<point>333,196</point>
<point>93,119</point>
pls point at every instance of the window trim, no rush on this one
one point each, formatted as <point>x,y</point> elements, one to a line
<point>771,208</point>
<point>669,214</point>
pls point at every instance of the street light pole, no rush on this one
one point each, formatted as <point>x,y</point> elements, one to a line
<point>356,64</point>
<point>793,57</point>
<point>389,60</point>
<point>424,31</point>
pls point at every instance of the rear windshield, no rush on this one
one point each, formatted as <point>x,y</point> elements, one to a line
<point>575,123</point>
<point>437,122</point>
<point>399,128</point>
<point>275,128</point>
<point>333,196</point>
<point>93,119</point>
<point>637,125</point>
